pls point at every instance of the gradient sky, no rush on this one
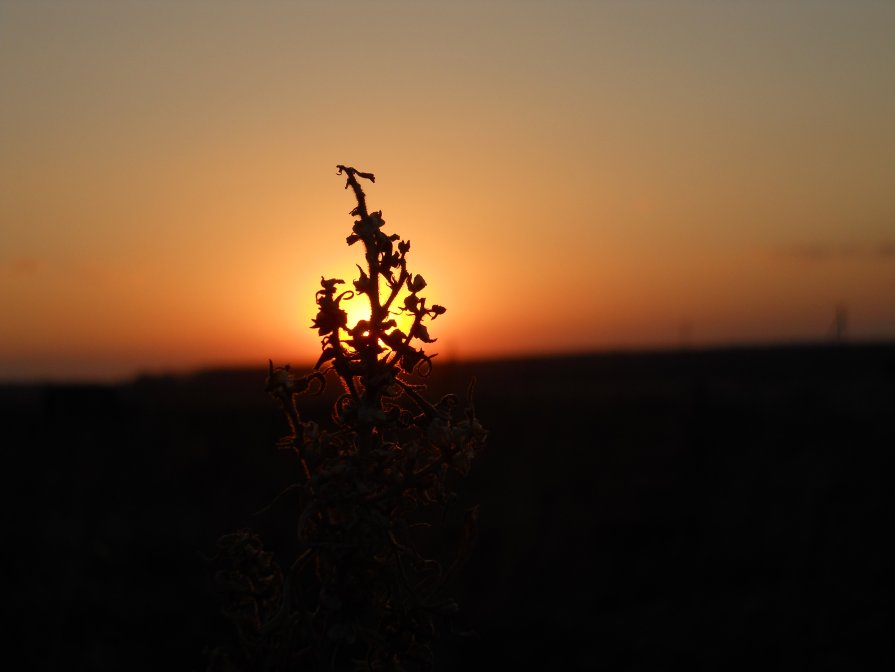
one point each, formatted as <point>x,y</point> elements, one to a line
<point>572,175</point>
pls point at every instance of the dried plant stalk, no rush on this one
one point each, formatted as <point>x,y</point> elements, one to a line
<point>362,593</point>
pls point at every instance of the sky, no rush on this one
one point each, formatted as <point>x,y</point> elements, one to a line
<point>573,176</point>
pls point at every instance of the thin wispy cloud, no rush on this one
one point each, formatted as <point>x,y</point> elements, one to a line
<point>816,252</point>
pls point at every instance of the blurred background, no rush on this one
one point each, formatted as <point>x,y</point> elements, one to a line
<point>573,176</point>
<point>664,236</point>
<point>717,509</point>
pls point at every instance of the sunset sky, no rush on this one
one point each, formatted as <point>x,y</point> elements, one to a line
<point>573,176</point>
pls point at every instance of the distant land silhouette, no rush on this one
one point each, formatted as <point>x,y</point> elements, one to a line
<point>721,509</point>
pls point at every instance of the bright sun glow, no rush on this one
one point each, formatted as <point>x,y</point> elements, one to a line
<point>358,308</point>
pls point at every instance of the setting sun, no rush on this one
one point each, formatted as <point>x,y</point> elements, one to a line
<point>168,201</point>
<point>371,335</point>
<point>539,334</point>
<point>358,309</point>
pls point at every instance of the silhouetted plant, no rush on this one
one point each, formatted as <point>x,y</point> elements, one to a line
<point>361,593</point>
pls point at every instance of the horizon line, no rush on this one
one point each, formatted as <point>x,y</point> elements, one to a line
<point>207,368</point>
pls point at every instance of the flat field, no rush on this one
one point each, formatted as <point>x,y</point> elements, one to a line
<point>719,509</point>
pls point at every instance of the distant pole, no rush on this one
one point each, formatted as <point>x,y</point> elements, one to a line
<point>685,333</point>
<point>839,325</point>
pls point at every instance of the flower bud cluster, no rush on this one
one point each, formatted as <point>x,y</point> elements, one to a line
<point>363,591</point>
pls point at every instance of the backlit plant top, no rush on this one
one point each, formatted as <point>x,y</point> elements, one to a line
<point>364,592</point>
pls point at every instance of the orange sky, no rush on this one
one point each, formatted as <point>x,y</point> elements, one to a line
<point>573,176</point>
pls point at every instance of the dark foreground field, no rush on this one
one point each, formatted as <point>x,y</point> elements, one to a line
<point>718,510</point>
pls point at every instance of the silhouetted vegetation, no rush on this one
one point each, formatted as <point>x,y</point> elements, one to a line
<point>706,509</point>
<point>364,590</point>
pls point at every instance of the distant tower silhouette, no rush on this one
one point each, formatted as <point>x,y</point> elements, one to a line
<point>685,334</point>
<point>839,325</point>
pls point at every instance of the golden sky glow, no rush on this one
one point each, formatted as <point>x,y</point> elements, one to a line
<point>572,176</point>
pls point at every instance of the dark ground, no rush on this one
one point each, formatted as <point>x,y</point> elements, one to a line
<point>715,510</point>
